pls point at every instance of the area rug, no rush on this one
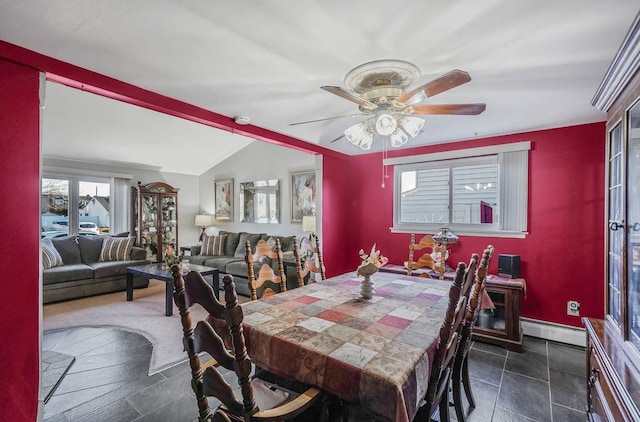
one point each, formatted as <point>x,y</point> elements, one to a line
<point>143,315</point>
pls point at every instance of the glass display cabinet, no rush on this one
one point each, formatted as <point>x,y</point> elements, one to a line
<point>155,218</point>
<point>613,343</point>
<point>501,325</point>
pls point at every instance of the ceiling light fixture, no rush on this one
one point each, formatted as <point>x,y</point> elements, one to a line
<point>386,124</point>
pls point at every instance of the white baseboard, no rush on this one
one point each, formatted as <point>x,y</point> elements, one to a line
<point>554,332</point>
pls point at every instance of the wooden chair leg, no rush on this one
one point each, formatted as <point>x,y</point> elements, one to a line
<point>444,407</point>
<point>456,380</point>
<point>466,382</point>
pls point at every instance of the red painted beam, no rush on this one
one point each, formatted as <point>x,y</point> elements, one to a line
<point>96,83</point>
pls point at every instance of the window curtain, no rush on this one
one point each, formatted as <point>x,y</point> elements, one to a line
<point>514,170</point>
<point>120,205</point>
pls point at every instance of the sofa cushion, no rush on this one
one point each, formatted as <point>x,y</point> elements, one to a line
<point>68,248</point>
<point>112,268</point>
<point>253,239</point>
<point>239,269</point>
<point>50,256</point>
<point>232,242</point>
<point>90,248</point>
<point>116,249</point>
<point>213,245</point>
<point>221,262</point>
<point>286,243</point>
<point>67,273</point>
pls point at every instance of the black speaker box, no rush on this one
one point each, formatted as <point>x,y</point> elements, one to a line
<point>509,266</point>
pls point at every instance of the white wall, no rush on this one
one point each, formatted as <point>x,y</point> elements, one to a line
<point>188,195</point>
<point>259,161</point>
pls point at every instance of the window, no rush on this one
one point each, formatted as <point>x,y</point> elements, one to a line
<point>473,191</point>
<point>83,204</point>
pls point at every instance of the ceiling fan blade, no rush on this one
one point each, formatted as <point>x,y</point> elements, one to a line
<point>338,138</point>
<point>443,83</point>
<point>326,118</point>
<point>336,90</point>
<point>468,109</point>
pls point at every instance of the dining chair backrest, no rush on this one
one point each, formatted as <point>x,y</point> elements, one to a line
<point>309,259</point>
<point>460,365</point>
<point>425,261</point>
<point>447,343</point>
<point>221,335</point>
<point>267,282</point>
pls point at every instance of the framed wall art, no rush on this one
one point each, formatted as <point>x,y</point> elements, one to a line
<point>303,195</point>
<point>223,197</point>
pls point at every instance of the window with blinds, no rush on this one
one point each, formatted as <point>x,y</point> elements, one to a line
<point>486,193</point>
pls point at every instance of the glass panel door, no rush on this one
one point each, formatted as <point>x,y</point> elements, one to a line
<point>633,218</point>
<point>616,233</point>
<point>148,214</point>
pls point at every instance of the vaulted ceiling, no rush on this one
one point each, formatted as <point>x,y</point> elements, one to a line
<point>536,65</point>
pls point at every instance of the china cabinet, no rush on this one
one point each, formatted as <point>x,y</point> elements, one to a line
<point>155,218</point>
<point>613,344</point>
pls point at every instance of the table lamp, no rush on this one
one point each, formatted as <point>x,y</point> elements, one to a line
<point>309,224</point>
<point>204,221</point>
<point>440,253</point>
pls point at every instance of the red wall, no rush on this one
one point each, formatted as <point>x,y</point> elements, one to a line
<point>562,256</point>
<point>20,247</point>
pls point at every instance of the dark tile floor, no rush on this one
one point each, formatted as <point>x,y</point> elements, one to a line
<point>108,381</point>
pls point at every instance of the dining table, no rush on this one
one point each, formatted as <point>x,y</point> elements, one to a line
<point>374,353</point>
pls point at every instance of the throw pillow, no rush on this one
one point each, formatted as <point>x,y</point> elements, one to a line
<point>213,245</point>
<point>50,256</point>
<point>253,239</point>
<point>271,242</point>
<point>116,248</point>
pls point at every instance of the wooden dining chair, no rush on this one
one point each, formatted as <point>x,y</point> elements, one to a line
<point>425,261</point>
<point>308,251</point>
<point>267,282</point>
<point>221,335</point>
<point>460,377</point>
<point>437,396</point>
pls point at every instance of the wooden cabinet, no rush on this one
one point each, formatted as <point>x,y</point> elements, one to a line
<point>613,381</point>
<point>501,326</point>
<point>614,343</point>
<point>155,218</point>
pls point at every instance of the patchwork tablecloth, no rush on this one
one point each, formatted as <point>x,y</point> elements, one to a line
<point>373,352</point>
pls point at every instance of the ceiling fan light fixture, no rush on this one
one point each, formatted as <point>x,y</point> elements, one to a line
<point>413,125</point>
<point>360,135</point>
<point>386,124</point>
<point>398,138</point>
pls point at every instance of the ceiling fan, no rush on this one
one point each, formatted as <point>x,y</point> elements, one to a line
<point>379,89</point>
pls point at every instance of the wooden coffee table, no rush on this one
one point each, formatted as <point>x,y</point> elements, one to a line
<point>159,271</point>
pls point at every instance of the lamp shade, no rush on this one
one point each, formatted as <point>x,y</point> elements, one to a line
<point>204,220</point>
<point>309,223</point>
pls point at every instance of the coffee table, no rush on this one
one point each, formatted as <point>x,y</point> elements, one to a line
<point>159,271</point>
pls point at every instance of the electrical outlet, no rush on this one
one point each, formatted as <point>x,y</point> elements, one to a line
<point>573,308</point>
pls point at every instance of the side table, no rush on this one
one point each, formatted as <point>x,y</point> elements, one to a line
<point>187,249</point>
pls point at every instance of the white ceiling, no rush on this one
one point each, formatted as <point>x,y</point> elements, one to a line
<point>535,64</point>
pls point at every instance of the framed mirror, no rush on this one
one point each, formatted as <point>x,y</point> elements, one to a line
<point>260,202</point>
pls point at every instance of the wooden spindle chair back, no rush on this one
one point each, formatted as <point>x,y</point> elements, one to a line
<point>266,282</point>
<point>460,378</point>
<point>221,336</point>
<point>425,261</point>
<point>438,388</point>
<point>309,265</point>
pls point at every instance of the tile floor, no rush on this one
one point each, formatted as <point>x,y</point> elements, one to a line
<point>108,381</point>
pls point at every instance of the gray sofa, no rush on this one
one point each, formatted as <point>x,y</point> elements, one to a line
<point>232,262</point>
<point>83,275</point>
